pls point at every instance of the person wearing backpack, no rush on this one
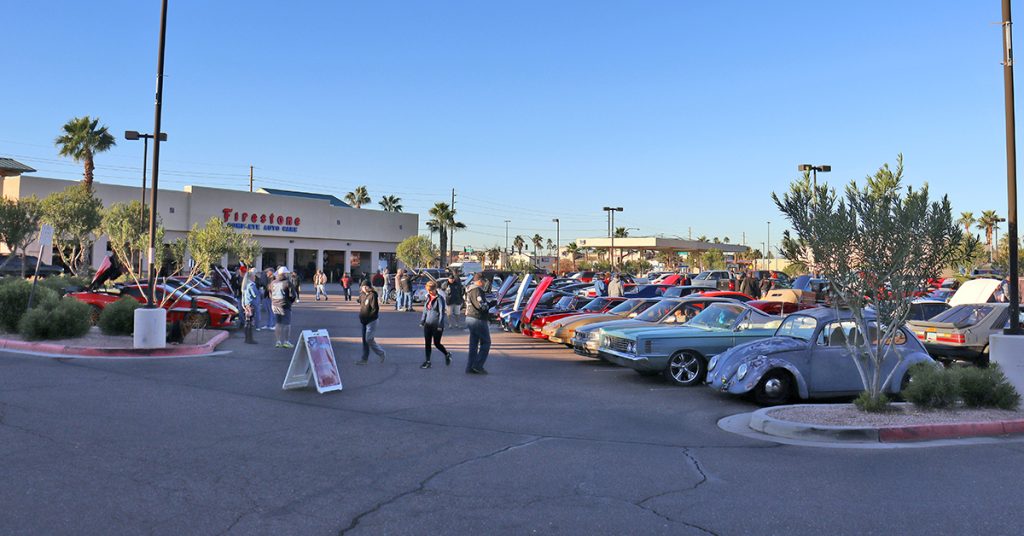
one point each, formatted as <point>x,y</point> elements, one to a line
<point>281,297</point>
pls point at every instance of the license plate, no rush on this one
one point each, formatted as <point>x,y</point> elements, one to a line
<point>930,337</point>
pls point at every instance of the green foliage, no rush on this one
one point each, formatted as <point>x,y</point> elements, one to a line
<point>14,297</point>
<point>247,248</point>
<point>207,244</point>
<point>986,388</point>
<point>19,225</point>
<point>636,267</point>
<point>118,318</point>
<point>358,197</point>
<point>442,220</point>
<point>59,283</point>
<point>876,244</point>
<point>127,230</point>
<point>415,251</point>
<point>872,404</point>
<point>75,215</point>
<point>712,259</point>
<point>390,203</point>
<point>931,387</point>
<point>66,318</point>
<point>81,140</point>
<point>520,266</point>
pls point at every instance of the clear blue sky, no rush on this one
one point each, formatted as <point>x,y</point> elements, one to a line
<point>687,114</point>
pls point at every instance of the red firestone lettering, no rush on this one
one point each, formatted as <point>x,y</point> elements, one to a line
<point>263,218</point>
<point>296,221</point>
<point>227,213</point>
<point>288,220</point>
<point>280,220</point>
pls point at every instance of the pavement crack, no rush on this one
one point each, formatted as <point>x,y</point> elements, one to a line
<point>703,479</point>
<point>421,486</point>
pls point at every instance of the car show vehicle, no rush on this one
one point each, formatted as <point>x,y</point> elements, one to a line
<point>562,331</point>
<point>681,353</point>
<point>962,332</point>
<point>194,311</point>
<point>720,279</point>
<point>808,357</point>
<point>576,306</point>
<point>646,291</point>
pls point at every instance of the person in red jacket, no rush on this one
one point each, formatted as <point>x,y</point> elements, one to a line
<point>346,286</point>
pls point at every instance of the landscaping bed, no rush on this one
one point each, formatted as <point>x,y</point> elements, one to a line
<point>901,415</point>
<point>96,344</point>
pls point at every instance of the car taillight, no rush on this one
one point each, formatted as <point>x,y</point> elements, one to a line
<point>957,338</point>
<point>920,335</point>
<point>732,285</point>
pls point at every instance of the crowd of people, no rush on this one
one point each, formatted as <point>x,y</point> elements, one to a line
<point>267,299</point>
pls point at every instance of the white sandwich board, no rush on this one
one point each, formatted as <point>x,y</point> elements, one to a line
<point>313,361</point>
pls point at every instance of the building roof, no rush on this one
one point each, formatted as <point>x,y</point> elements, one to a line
<point>308,195</point>
<point>659,243</point>
<point>10,164</point>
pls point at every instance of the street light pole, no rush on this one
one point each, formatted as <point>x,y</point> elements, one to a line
<point>768,251</point>
<point>506,243</point>
<point>824,168</point>
<point>135,135</point>
<point>158,108</point>
<point>558,240</point>
<point>611,232</point>
<point>1011,171</point>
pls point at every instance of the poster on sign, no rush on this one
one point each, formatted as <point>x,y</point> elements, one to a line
<point>313,362</point>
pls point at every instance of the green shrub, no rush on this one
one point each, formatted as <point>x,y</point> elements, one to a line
<point>879,404</point>
<point>14,302</point>
<point>118,318</point>
<point>986,388</point>
<point>59,283</point>
<point>56,319</point>
<point>931,387</point>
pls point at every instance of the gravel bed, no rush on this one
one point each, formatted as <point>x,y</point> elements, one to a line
<point>902,415</point>
<point>96,339</point>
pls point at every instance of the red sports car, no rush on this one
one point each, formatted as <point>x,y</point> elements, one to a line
<point>204,312</point>
<point>597,305</point>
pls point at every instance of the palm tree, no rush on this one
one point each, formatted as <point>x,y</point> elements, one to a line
<point>550,247</point>
<point>443,221</point>
<point>519,243</point>
<point>390,203</point>
<point>621,232</point>
<point>538,242</point>
<point>573,249</point>
<point>83,138</point>
<point>988,221</point>
<point>967,220</point>
<point>358,197</point>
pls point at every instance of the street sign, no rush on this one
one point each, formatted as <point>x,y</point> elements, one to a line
<point>313,362</point>
<point>46,235</point>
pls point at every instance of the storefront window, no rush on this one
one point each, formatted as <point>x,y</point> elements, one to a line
<point>305,263</point>
<point>274,257</point>
<point>334,265</point>
<point>361,265</point>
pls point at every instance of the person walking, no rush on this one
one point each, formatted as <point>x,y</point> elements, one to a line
<point>477,321</point>
<point>346,286</point>
<point>250,304</point>
<point>453,297</point>
<point>433,323</point>
<point>319,281</point>
<point>369,310</point>
<point>387,287</point>
<point>746,285</point>
<point>293,278</point>
<point>399,297</point>
<point>766,286</point>
<point>268,277</point>
<point>257,303</point>
<point>281,297</point>
<point>600,287</point>
<point>405,283</point>
<point>615,287</point>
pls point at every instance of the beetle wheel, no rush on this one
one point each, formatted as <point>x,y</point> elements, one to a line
<point>686,369</point>
<point>775,388</point>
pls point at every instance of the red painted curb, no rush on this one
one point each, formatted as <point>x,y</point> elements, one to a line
<point>86,351</point>
<point>925,432</point>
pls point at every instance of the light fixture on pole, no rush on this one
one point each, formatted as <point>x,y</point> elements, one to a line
<point>611,232</point>
<point>135,135</point>
<point>558,240</point>
<point>824,168</point>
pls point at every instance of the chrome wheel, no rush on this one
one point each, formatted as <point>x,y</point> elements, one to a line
<point>776,387</point>
<point>686,368</point>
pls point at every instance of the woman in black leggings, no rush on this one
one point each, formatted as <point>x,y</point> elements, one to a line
<point>432,321</point>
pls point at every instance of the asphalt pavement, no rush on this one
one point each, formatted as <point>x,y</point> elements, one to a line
<point>547,443</point>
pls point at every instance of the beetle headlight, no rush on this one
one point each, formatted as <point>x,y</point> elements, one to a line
<point>714,361</point>
<point>741,372</point>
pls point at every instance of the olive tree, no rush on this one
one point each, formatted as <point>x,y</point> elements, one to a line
<point>877,245</point>
<point>246,247</point>
<point>415,251</point>
<point>19,226</point>
<point>75,215</point>
<point>128,235</point>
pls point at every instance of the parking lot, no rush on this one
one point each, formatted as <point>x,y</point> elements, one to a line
<point>547,443</point>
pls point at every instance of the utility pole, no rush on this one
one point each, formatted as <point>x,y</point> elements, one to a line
<point>1011,171</point>
<point>611,233</point>
<point>158,105</point>
<point>451,232</point>
<point>250,179</point>
<point>558,239</point>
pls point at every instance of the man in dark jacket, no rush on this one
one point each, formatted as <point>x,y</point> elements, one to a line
<point>369,309</point>
<point>477,321</point>
<point>453,291</point>
<point>747,285</point>
<point>405,285</point>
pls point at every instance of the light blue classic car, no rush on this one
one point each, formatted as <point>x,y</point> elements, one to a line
<point>681,353</point>
<point>808,358</point>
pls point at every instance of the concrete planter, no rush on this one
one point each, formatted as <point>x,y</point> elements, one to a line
<point>150,328</point>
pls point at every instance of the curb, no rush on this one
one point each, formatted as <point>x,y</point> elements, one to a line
<point>87,351</point>
<point>760,421</point>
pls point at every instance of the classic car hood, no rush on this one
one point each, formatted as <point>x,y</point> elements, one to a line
<point>653,331</point>
<point>974,291</point>
<point>587,318</point>
<point>617,325</point>
<point>772,345</point>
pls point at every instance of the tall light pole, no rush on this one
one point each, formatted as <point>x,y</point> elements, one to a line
<point>611,232</point>
<point>158,108</point>
<point>995,245</point>
<point>504,265</point>
<point>558,240</point>
<point>824,168</point>
<point>134,135</point>
<point>1011,171</point>
<point>768,251</point>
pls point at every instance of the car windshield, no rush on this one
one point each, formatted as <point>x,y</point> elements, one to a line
<point>967,315</point>
<point>624,307</point>
<point>798,327</point>
<point>717,317</point>
<point>597,305</point>
<point>564,303</point>
<point>702,276</point>
<point>657,312</point>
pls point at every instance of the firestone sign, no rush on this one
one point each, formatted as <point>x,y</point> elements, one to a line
<point>254,221</point>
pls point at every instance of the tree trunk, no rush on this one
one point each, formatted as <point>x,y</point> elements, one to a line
<point>443,238</point>
<point>89,168</point>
